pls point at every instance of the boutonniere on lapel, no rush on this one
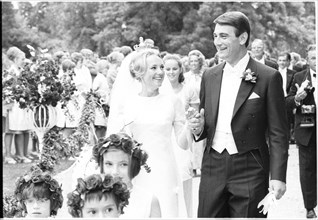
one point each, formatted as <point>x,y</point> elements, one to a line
<point>249,76</point>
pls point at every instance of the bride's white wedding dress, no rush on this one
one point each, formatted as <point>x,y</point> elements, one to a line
<point>150,121</point>
<point>139,206</point>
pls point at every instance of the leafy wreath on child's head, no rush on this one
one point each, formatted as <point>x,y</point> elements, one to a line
<point>95,183</point>
<point>11,207</point>
<point>124,142</point>
<point>40,173</point>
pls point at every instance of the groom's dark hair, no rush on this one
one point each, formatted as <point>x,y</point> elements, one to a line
<point>238,20</point>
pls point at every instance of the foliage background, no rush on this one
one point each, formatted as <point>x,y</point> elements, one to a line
<point>174,26</point>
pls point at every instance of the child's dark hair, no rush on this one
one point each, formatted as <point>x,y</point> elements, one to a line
<point>37,191</point>
<point>124,142</point>
<point>39,184</point>
<point>97,186</point>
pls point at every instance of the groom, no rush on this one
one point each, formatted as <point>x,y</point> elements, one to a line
<point>238,166</point>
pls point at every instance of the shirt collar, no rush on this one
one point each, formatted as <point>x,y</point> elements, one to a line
<point>240,67</point>
<point>312,73</point>
<point>197,74</point>
<point>284,70</point>
<point>262,60</point>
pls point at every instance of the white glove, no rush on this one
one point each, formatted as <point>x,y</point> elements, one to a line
<point>303,86</point>
<point>268,201</point>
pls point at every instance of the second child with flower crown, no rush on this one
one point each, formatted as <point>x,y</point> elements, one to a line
<point>120,156</point>
<point>98,196</point>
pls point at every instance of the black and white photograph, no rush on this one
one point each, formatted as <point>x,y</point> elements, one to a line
<point>159,109</point>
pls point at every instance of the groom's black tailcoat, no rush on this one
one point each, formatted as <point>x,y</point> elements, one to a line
<point>251,120</point>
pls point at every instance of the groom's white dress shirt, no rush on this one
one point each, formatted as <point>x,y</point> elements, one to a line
<point>314,83</point>
<point>231,82</point>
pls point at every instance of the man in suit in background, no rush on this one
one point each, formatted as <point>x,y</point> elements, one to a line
<point>283,62</point>
<point>258,53</point>
<point>303,97</point>
<point>239,100</point>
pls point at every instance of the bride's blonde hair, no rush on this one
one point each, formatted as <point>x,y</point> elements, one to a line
<point>138,63</point>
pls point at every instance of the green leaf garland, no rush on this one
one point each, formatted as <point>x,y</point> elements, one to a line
<point>56,147</point>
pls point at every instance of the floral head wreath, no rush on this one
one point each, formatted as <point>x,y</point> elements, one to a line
<point>11,207</point>
<point>143,44</point>
<point>145,48</point>
<point>93,183</point>
<point>123,142</point>
<point>40,173</point>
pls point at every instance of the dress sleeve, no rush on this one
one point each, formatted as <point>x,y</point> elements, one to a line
<point>179,115</point>
<point>191,96</point>
<point>115,121</point>
<point>179,125</point>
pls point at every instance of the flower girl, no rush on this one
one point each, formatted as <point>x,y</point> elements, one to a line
<point>98,197</point>
<point>39,195</point>
<point>120,155</point>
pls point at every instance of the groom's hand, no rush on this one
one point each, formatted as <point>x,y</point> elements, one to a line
<point>196,123</point>
<point>278,187</point>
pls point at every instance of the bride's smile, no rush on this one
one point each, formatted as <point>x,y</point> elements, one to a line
<point>154,74</point>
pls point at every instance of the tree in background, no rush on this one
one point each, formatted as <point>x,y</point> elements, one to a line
<point>15,29</point>
<point>110,25</point>
<point>176,27</point>
<point>9,24</point>
<point>284,26</point>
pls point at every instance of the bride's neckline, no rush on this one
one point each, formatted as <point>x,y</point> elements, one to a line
<point>148,96</point>
<point>148,92</point>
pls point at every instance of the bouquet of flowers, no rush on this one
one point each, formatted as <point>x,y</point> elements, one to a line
<point>39,84</point>
<point>100,102</point>
<point>8,80</point>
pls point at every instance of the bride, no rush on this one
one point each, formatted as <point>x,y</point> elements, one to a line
<point>150,116</point>
<point>125,85</point>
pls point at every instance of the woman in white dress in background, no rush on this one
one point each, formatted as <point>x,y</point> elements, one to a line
<point>114,58</point>
<point>18,125</point>
<point>193,78</point>
<point>100,86</point>
<point>70,116</point>
<point>150,117</point>
<point>174,72</point>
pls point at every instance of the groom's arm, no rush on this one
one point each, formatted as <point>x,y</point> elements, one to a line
<point>277,128</point>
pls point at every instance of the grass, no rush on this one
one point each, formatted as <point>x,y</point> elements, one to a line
<point>12,171</point>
